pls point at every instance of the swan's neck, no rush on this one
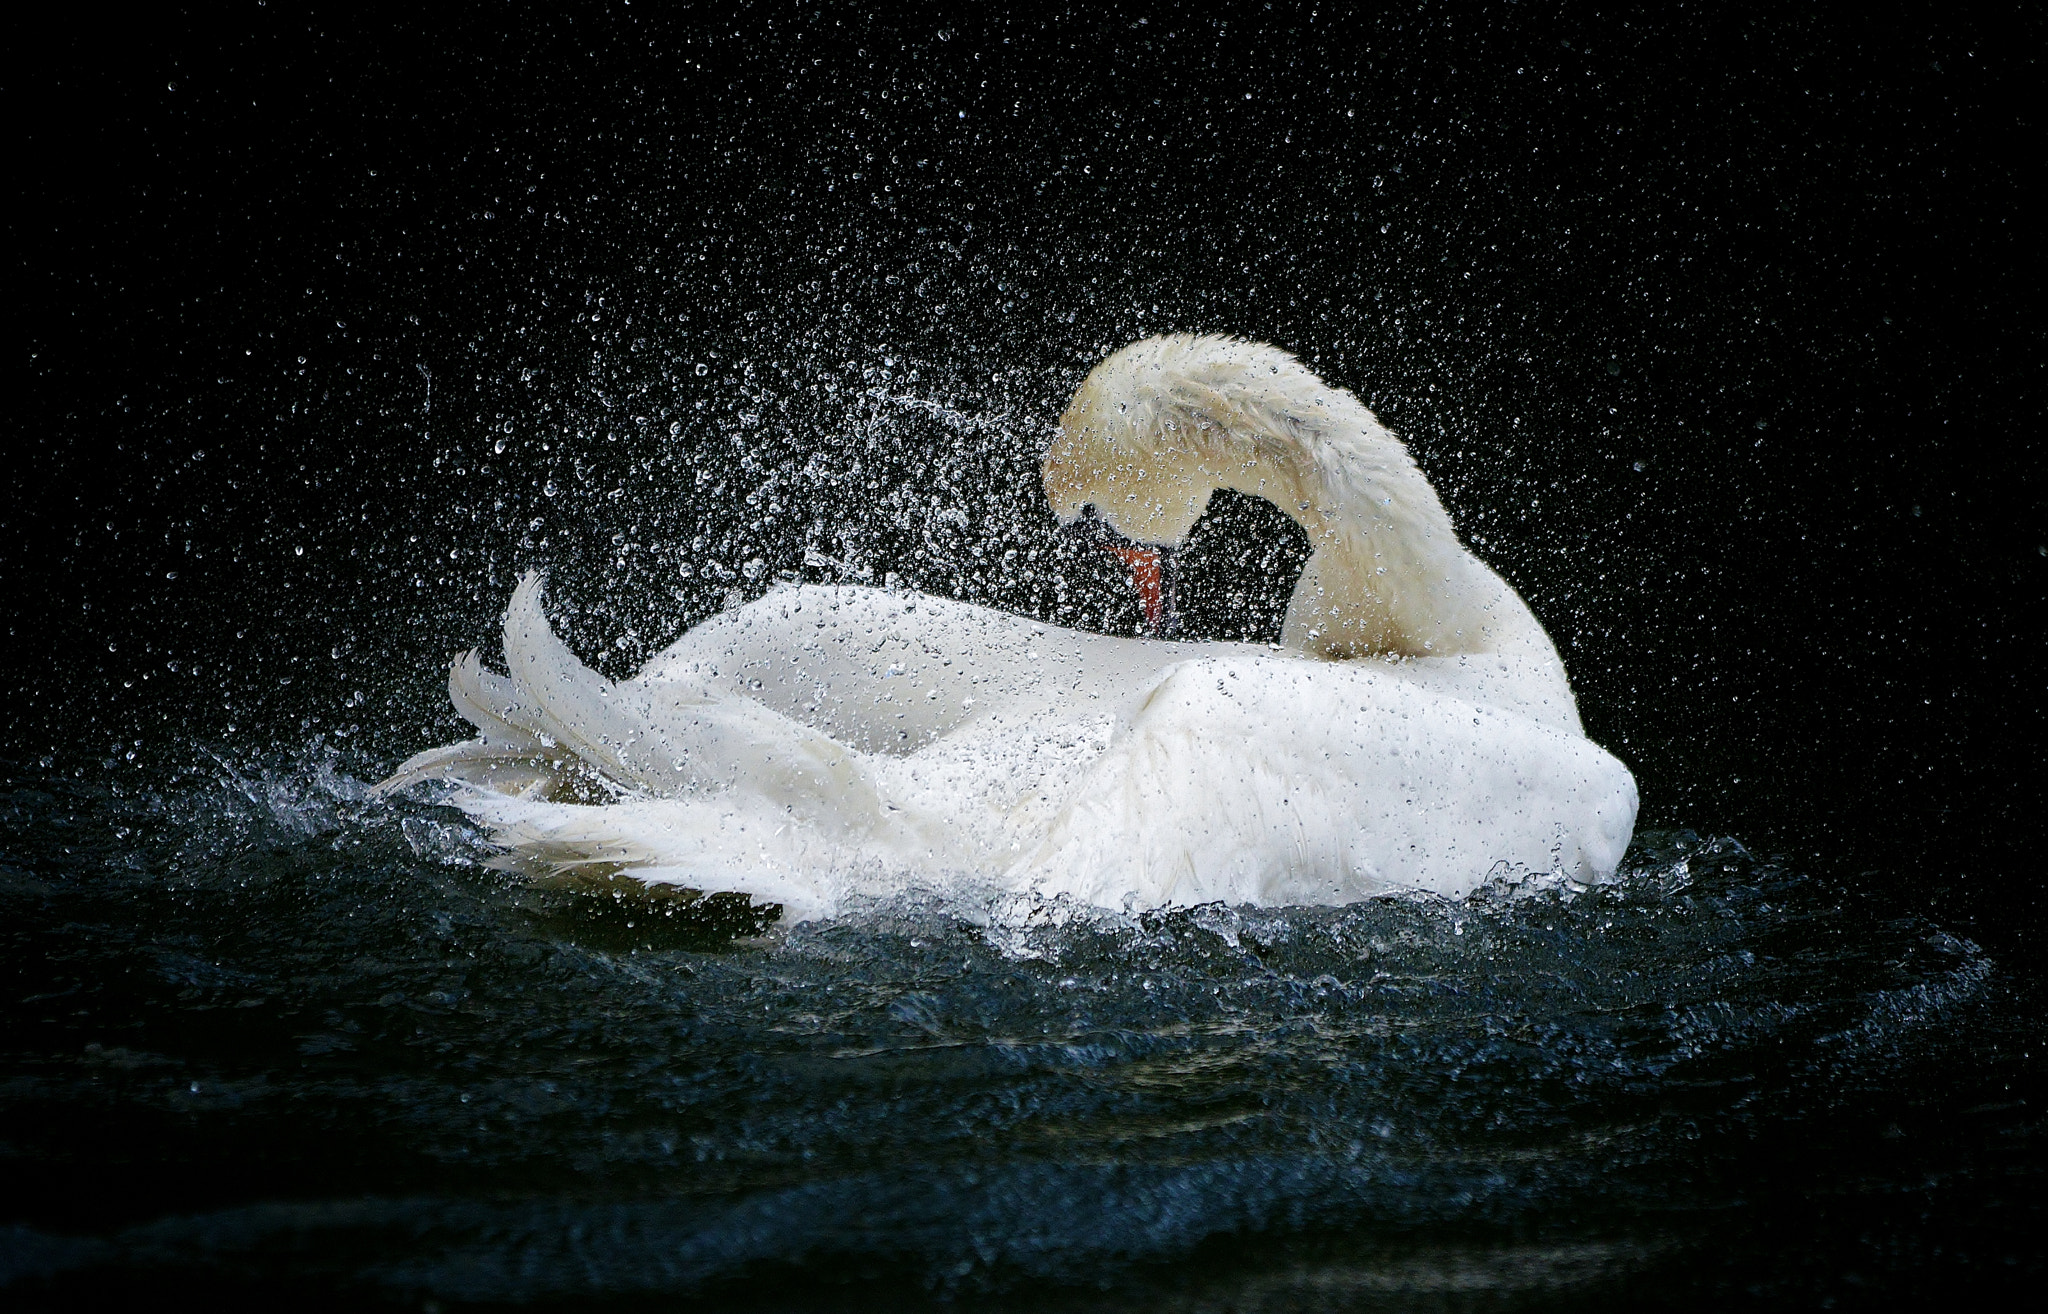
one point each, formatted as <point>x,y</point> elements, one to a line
<point>1388,575</point>
<point>1162,424</point>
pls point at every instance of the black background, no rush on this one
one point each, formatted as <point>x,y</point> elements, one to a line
<point>1716,328</point>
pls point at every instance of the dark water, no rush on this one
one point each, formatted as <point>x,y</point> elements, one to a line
<point>1715,331</point>
<point>280,1037</point>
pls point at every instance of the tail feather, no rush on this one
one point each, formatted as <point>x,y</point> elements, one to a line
<point>701,844</point>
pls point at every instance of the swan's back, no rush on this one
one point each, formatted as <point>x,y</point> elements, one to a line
<point>889,672</point>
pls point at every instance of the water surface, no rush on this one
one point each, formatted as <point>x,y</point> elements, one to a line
<point>278,1035</point>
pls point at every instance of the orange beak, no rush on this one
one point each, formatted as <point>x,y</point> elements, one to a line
<point>1151,570</point>
<point>1148,577</point>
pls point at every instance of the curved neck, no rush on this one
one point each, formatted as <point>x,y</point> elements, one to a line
<point>1367,591</point>
<point>1388,575</point>
<point>1159,426</point>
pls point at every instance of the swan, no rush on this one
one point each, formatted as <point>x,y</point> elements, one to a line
<point>1413,730</point>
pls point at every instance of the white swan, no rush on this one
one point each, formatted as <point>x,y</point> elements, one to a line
<point>1413,730</point>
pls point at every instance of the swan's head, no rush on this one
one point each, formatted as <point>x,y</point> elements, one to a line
<point>1159,426</point>
<point>1153,431</point>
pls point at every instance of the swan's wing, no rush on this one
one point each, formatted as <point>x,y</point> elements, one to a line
<point>891,672</point>
<point>508,757</point>
<point>1272,782</point>
<point>672,738</point>
<point>881,671</point>
<point>490,702</point>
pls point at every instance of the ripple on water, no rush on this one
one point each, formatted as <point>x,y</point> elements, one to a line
<point>309,1032</point>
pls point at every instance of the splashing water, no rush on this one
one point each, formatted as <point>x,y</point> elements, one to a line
<point>311,1033</point>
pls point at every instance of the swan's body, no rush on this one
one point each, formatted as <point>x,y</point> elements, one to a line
<point>1414,730</point>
